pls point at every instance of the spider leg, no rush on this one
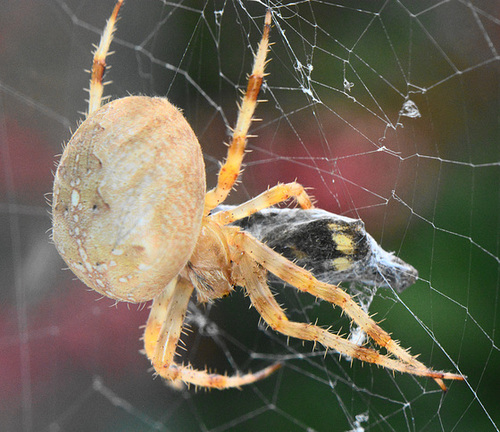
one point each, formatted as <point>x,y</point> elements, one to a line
<point>161,338</point>
<point>305,281</point>
<point>99,61</point>
<point>275,195</point>
<point>231,169</point>
<point>254,280</point>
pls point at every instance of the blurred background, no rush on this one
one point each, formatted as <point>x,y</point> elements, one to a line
<point>388,110</point>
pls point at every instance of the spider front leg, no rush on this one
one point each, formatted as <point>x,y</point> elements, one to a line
<point>249,249</point>
<point>253,278</point>
<point>230,171</point>
<point>275,195</point>
<point>99,61</point>
<point>161,338</point>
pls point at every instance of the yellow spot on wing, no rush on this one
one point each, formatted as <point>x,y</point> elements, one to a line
<point>344,243</point>
<point>341,264</point>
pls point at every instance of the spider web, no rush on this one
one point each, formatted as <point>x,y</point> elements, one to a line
<point>387,109</point>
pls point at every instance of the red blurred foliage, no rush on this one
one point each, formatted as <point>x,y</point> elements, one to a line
<point>29,161</point>
<point>69,336</point>
<point>346,172</point>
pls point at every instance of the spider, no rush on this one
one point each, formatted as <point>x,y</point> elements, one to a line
<point>133,220</point>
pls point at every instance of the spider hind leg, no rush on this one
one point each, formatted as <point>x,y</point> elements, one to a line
<point>161,338</point>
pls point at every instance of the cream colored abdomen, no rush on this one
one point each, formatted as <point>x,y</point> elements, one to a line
<point>128,198</point>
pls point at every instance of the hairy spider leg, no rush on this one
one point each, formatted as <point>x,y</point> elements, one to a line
<point>272,196</point>
<point>99,61</point>
<point>255,281</point>
<point>337,296</point>
<point>231,168</point>
<point>161,338</point>
<point>306,282</point>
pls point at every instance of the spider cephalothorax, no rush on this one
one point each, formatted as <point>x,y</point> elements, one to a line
<point>133,220</point>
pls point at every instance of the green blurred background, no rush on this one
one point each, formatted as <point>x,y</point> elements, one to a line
<point>426,188</point>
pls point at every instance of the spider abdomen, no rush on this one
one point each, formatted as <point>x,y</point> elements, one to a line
<point>128,198</point>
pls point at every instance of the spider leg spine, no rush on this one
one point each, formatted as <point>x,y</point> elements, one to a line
<point>269,309</point>
<point>259,253</point>
<point>230,170</point>
<point>275,195</point>
<point>162,338</point>
<point>99,60</point>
